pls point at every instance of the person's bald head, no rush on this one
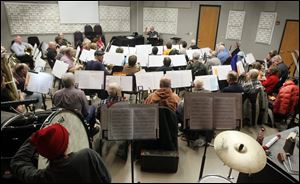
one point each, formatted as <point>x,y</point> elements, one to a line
<point>165,82</point>
<point>52,45</point>
<point>18,39</point>
<point>151,28</point>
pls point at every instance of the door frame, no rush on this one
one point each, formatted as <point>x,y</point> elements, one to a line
<point>199,13</point>
<point>293,20</point>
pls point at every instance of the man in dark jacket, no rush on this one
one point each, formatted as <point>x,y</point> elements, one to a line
<point>197,67</point>
<point>166,67</point>
<point>233,85</point>
<point>51,142</point>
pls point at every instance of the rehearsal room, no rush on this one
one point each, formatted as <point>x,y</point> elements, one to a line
<point>149,91</point>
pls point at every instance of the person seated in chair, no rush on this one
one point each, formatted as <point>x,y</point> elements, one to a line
<point>154,50</point>
<point>22,77</point>
<point>164,96</point>
<point>169,48</point>
<point>74,99</point>
<point>166,67</point>
<point>283,71</point>
<point>20,48</point>
<point>97,64</point>
<point>68,58</point>
<point>51,54</point>
<point>252,85</point>
<point>196,65</point>
<point>223,53</point>
<point>193,45</point>
<point>132,67</point>
<point>60,40</point>
<point>151,32</point>
<point>51,142</point>
<point>233,85</point>
<point>271,79</point>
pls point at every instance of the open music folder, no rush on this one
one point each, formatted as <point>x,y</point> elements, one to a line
<point>89,79</point>
<point>206,111</point>
<point>131,121</point>
<point>40,82</point>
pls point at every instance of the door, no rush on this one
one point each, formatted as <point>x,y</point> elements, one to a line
<point>289,43</point>
<point>208,25</point>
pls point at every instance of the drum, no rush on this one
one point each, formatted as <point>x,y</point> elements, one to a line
<point>214,179</point>
<point>15,129</point>
<point>78,136</point>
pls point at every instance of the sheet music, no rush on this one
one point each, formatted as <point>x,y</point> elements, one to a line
<point>190,52</point>
<point>210,82</point>
<point>240,68</point>
<point>34,50</point>
<point>39,64</point>
<point>205,50</point>
<point>180,78</point>
<point>156,60</point>
<point>77,52</point>
<point>124,81</point>
<point>142,53</point>
<point>250,58</point>
<point>87,55</point>
<point>160,50</point>
<point>89,79</point>
<point>149,80</point>
<point>224,112</point>
<point>40,82</point>
<point>120,126</point>
<point>113,49</point>
<point>145,123</point>
<point>59,68</point>
<point>221,71</point>
<point>198,108</point>
<point>116,59</point>
<point>178,60</point>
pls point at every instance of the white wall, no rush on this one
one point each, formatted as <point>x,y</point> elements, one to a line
<point>188,21</point>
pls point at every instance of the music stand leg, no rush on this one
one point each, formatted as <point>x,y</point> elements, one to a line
<point>203,160</point>
<point>229,174</point>
<point>132,164</point>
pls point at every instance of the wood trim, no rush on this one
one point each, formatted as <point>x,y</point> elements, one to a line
<point>199,13</point>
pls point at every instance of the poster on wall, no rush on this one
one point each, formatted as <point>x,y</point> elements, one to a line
<point>265,27</point>
<point>235,25</point>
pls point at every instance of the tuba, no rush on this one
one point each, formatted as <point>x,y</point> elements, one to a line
<point>28,51</point>
<point>6,66</point>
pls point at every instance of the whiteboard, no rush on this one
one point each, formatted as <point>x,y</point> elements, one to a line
<point>164,20</point>
<point>235,25</point>
<point>265,27</point>
<point>74,12</point>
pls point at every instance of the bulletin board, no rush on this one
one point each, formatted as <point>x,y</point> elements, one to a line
<point>164,20</point>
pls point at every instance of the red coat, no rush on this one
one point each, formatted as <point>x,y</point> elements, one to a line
<point>287,98</point>
<point>270,83</point>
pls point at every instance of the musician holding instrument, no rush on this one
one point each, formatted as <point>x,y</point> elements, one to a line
<point>23,51</point>
<point>83,166</point>
<point>68,58</point>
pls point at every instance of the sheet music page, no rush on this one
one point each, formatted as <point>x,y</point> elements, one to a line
<point>156,61</point>
<point>89,79</point>
<point>120,124</point>
<point>156,76</point>
<point>250,58</point>
<point>145,122</point>
<point>149,80</point>
<point>110,79</point>
<point>59,68</point>
<point>142,53</point>
<point>84,55</point>
<point>224,112</point>
<point>210,82</point>
<point>91,56</point>
<point>178,60</point>
<point>34,50</point>
<point>221,71</point>
<point>240,68</point>
<point>40,82</point>
<point>113,49</point>
<point>116,59</point>
<point>77,52</point>
<point>180,78</point>
<point>190,52</point>
<point>198,108</point>
<point>132,50</point>
<point>39,64</point>
<point>206,51</point>
<point>125,50</point>
<point>126,83</point>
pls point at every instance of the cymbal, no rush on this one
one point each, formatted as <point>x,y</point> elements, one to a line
<point>239,151</point>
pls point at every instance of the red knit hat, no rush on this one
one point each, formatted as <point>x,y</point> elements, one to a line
<point>51,142</point>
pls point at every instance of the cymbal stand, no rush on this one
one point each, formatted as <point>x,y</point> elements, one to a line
<point>229,174</point>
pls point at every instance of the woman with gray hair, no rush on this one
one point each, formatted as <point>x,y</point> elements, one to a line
<point>252,85</point>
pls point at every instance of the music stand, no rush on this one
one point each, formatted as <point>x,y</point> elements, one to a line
<point>208,118</point>
<point>176,40</point>
<point>133,128</point>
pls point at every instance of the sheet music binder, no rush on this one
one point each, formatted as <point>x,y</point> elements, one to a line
<point>130,122</point>
<point>206,111</point>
